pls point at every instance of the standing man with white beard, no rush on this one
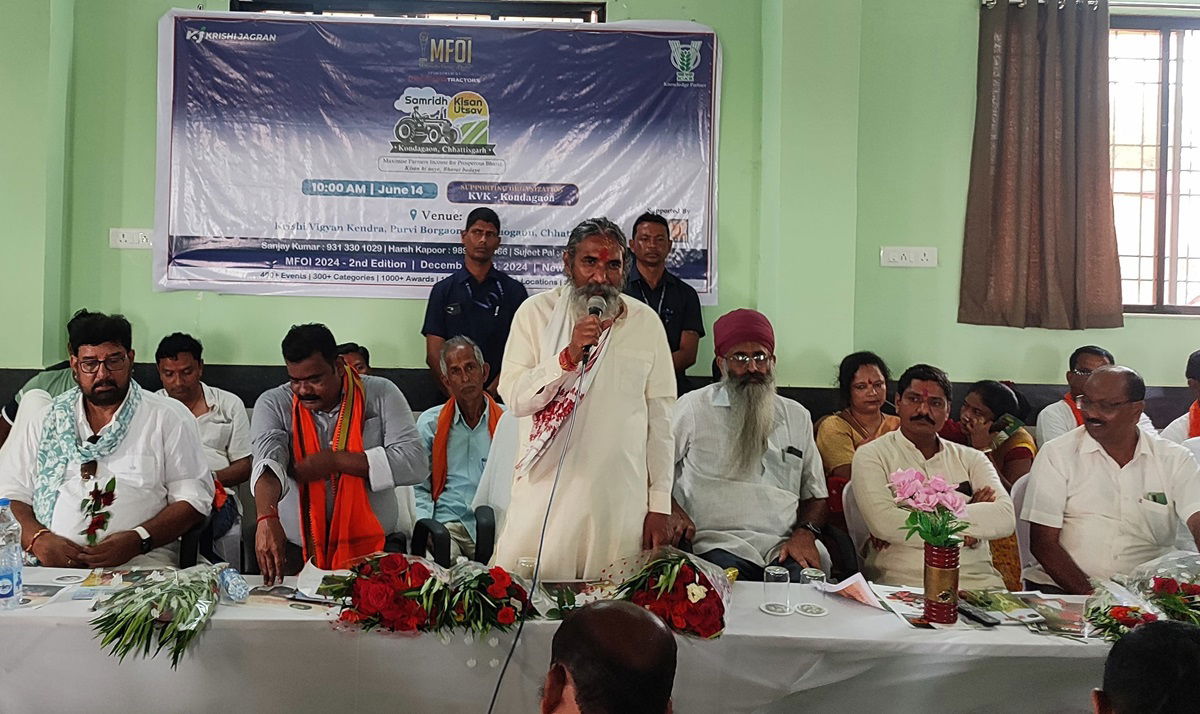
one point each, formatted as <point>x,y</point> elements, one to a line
<point>606,385</point>
<point>749,486</point>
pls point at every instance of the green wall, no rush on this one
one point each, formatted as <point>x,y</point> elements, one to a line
<point>845,126</point>
<point>917,106</point>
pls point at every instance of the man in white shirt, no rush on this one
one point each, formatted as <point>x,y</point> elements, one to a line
<point>606,384</point>
<point>1187,426</point>
<point>1107,496</point>
<point>224,434</point>
<point>749,486</point>
<point>923,403</point>
<point>111,474</point>
<point>1064,415</point>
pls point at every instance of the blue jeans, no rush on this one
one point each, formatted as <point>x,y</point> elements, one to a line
<point>747,570</point>
<point>222,520</point>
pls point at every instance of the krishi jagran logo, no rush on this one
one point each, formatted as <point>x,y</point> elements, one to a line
<point>434,123</point>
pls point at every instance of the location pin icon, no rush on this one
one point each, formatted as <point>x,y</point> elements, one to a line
<point>413,214</point>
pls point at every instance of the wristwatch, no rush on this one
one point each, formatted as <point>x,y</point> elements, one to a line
<point>811,528</point>
<point>147,543</point>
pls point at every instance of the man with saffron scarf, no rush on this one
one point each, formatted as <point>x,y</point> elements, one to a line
<point>109,474</point>
<point>593,393</point>
<point>457,435</point>
<point>1187,426</point>
<point>329,447</point>
<point>1064,415</point>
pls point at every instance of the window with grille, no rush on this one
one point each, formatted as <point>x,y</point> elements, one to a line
<point>1154,120</point>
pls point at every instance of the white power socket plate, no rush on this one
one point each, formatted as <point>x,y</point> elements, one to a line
<point>130,238</point>
<point>908,257</point>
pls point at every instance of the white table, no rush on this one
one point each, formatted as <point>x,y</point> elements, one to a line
<point>255,660</point>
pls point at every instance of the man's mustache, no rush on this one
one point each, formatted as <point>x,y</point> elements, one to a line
<point>310,398</point>
<point>105,383</point>
<point>1094,421</point>
<point>922,417</point>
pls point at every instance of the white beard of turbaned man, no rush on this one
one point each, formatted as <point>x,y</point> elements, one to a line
<point>580,296</point>
<point>752,408</point>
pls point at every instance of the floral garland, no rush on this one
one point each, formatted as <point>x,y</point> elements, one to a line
<point>93,506</point>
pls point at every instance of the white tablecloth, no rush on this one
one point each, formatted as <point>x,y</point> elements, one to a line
<point>258,660</point>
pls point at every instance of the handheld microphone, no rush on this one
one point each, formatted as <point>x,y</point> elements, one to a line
<point>595,306</point>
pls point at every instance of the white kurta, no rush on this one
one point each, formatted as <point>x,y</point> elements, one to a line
<point>618,464</point>
<point>747,514</point>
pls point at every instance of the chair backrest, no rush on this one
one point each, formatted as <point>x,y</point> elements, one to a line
<point>854,520</point>
<point>1018,499</point>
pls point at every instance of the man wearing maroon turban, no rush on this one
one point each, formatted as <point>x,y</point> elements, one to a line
<point>749,488</point>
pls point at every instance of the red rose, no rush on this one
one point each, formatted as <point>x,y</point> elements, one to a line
<point>404,615</point>
<point>1189,588</point>
<point>500,577</point>
<point>417,575</point>
<point>686,574</point>
<point>107,498</point>
<point>351,616</point>
<point>1149,617</point>
<point>393,563</point>
<point>374,597</point>
<point>506,615</point>
<point>1166,586</point>
<point>497,592</point>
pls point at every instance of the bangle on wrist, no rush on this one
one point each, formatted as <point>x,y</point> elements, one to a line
<point>39,534</point>
<point>565,361</point>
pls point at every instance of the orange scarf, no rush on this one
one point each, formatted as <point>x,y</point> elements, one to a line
<point>1194,420</point>
<point>354,530</point>
<point>441,441</point>
<point>1070,400</point>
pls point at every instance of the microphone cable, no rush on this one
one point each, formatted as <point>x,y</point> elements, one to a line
<point>537,567</point>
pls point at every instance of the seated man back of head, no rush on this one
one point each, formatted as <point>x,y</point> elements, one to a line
<point>110,474</point>
<point>610,657</point>
<point>1153,670</point>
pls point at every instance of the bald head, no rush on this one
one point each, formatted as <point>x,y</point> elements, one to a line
<point>1111,403</point>
<point>616,657</point>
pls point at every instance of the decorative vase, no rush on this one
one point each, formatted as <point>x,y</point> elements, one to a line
<point>941,584</point>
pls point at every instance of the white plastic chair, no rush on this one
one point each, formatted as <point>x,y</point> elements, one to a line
<point>859,533</point>
<point>1018,499</point>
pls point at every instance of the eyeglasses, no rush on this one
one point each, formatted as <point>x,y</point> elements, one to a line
<point>1100,406</point>
<point>742,359</point>
<point>916,400</point>
<point>1082,372</point>
<point>116,363</point>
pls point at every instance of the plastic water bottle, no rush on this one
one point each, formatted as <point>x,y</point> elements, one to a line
<point>11,560</point>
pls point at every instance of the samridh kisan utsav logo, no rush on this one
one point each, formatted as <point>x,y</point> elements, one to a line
<point>685,58</point>
<point>434,123</point>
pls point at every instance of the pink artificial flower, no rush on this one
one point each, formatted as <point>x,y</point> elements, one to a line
<point>924,501</point>
<point>954,502</point>
<point>903,476</point>
<point>938,484</point>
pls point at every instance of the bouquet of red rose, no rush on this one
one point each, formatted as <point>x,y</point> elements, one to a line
<point>689,594</point>
<point>483,598</point>
<point>397,592</point>
<point>1115,621</point>
<point>1178,600</point>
